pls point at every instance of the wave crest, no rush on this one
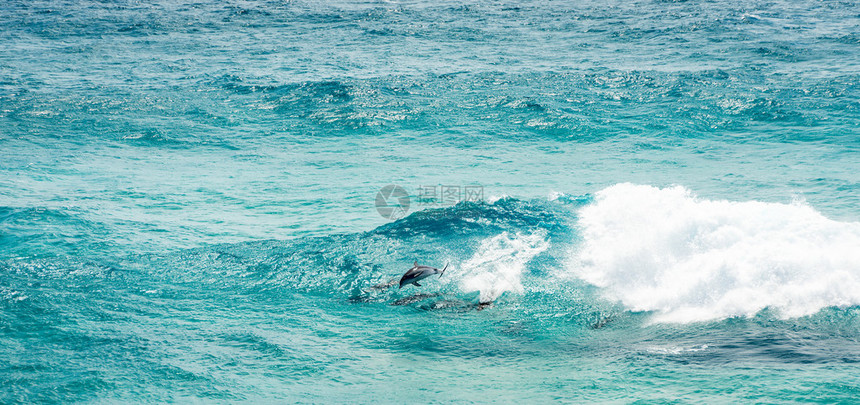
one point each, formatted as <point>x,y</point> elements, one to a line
<point>497,265</point>
<point>691,259</point>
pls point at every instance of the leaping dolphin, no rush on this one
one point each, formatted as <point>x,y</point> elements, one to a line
<point>418,273</point>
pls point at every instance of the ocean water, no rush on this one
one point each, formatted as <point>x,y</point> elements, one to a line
<point>664,201</point>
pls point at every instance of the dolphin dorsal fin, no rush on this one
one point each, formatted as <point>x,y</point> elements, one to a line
<point>415,264</point>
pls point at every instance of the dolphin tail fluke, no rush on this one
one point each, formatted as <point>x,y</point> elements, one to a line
<point>443,270</point>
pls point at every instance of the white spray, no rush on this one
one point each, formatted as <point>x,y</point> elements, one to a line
<point>497,266</point>
<point>690,259</point>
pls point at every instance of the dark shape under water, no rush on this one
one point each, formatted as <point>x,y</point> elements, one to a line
<point>601,322</point>
<point>414,298</point>
<point>455,304</point>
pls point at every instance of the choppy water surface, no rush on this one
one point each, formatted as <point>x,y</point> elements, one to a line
<point>669,211</point>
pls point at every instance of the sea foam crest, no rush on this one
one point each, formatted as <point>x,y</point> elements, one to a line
<point>691,259</point>
<point>497,265</point>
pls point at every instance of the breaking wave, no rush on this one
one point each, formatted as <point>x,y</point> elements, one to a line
<point>497,265</point>
<point>691,259</point>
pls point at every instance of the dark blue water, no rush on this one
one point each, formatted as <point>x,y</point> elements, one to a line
<point>668,207</point>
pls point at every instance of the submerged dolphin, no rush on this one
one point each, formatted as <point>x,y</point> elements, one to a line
<point>418,273</point>
<point>414,298</point>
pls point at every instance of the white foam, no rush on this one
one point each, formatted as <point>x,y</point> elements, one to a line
<point>690,259</point>
<point>492,199</point>
<point>497,266</point>
<point>554,195</point>
<point>674,350</point>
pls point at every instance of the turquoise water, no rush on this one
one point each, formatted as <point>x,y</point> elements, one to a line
<point>669,205</point>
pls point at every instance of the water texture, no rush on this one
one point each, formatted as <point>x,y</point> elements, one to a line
<point>669,206</point>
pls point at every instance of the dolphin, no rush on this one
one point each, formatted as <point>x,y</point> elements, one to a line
<point>418,273</point>
<point>414,298</point>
